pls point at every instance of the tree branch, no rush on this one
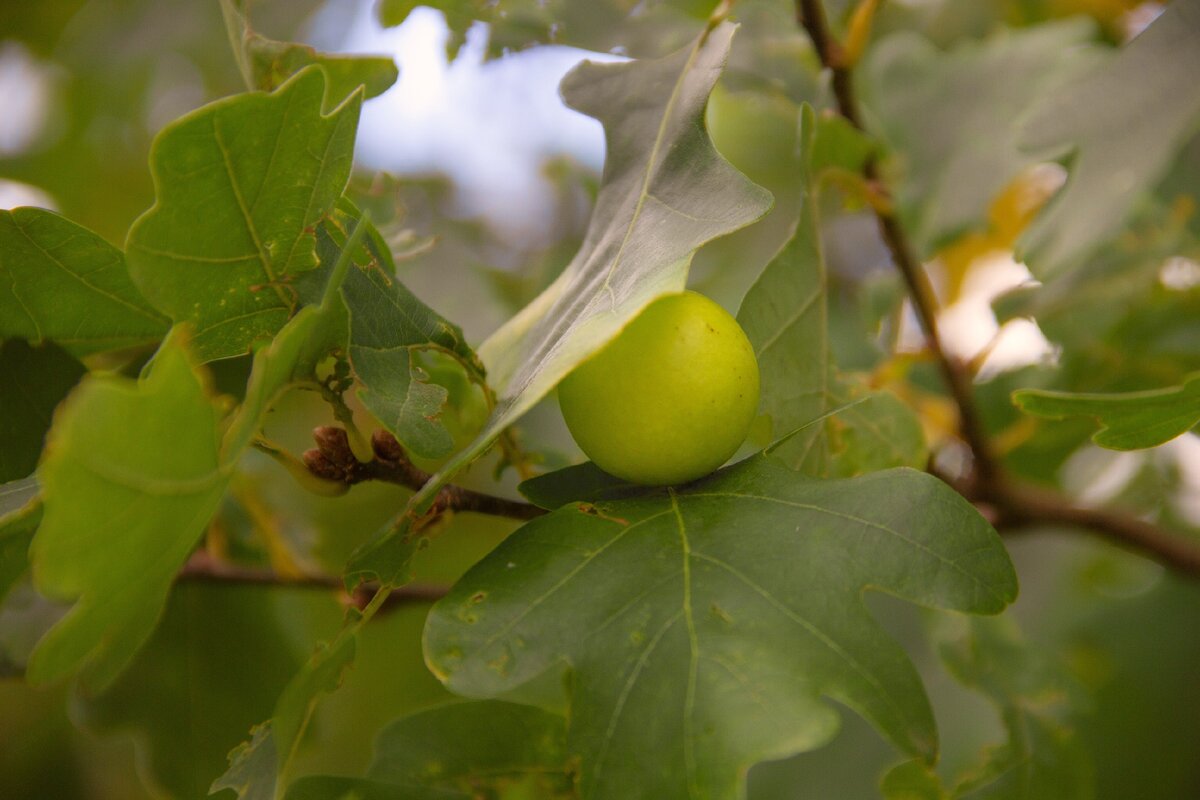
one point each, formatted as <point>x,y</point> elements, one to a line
<point>204,568</point>
<point>811,16</point>
<point>333,460</point>
<point>1010,505</point>
<point>1023,506</point>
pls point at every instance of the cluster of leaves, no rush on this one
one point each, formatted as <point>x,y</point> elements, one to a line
<point>630,642</point>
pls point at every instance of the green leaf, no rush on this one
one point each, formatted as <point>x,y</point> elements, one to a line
<point>955,123</point>
<point>875,431</point>
<point>1043,759</point>
<point>466,746</point>
<point>253,766</point>
<point>912,780</point>
<point>259,769</point>
<point>35,381</point>
<point>459,751</point>
<point>291,358</point>
<point>582,482</point>
<point>268,63</point>
<point>321,674</point>
<point>784,317</point>
<point>666,191</point>
<point>704,624</point>
<point>129,482</point>
<point>388,326</point>
<point>324,787</point>
<point>241,185</point>
<point>1126,119</point>
<point>1128,421</point>
<point>62,282</point>
<point>189,693</point>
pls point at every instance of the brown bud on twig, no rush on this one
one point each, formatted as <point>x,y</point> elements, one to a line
<point>320,465</point>
<point>387,448</point>
<point>334,444</point>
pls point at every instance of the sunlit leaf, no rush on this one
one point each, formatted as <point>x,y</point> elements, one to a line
<point>1128,421</point>
<point>1125,120</point>
<point>704,624</point>
<point>34,381</point>
<point>60,281</point>
<point>241,184</point>
<point>129,481</point>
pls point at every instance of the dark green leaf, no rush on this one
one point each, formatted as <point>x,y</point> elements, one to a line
<point>1128,421</point>
<point>323,787</point>
<point>35,381</point>
<point>130,480</point>
<point>704,624</point>
<point>1126,119</point>
<point>1043,758</point>
<point>583,482</point>
<point>213,667</point>
<point>321,674</point>
<point>62,282</point>
<point>259,769</point>
<point>241,185</point>
<point>466,746</point>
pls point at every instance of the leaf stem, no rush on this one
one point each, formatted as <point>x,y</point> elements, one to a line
<point>1015,505</point>
<point>345,258</point>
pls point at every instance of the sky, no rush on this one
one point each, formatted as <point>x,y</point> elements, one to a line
<point>489,125</point>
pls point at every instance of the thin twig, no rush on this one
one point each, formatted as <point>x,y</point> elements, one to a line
<point>333,460</point>
<point>1024,507</point>
<point>811,16</point>
<point>204,568</point>
<point>1010,505</point>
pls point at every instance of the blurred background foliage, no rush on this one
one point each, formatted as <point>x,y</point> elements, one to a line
<point>85,85</point>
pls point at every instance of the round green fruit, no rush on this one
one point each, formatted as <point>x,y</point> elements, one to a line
<point>670,399</point>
